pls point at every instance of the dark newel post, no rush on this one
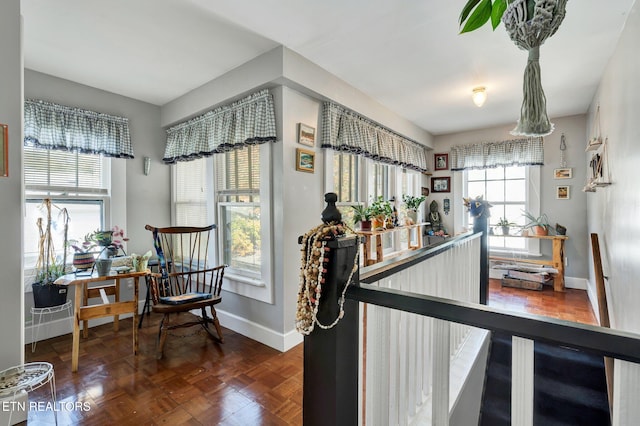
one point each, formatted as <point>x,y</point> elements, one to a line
<point>330,395</point>
<point>481,224</point>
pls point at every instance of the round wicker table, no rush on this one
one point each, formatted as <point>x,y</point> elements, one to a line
<point>28,377</point>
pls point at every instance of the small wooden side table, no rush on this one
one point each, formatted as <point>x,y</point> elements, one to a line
<point>101,289</point>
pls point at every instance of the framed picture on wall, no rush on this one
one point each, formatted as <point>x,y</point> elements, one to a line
<point>563,192</point>
<point>441,184</point>
<point>441,161</point>
<point>305,160</point>
<point>306,135</point>
<point>4,150</point>
<point>564,173</point>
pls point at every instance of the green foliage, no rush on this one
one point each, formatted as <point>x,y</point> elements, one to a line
<point>476,13</point>
<point>361,213</point>
<point>381,208</point>
<point>411,202</point>
<point>532,220</point>
<point>504,222</point>
<point>245,235</point>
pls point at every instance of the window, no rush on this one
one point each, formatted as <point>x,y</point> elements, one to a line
<point>231,190</point>
<point>346,183</point>
<point>357,180</point>
<point>509,190</point>
<point>75,181</point>
<point>238,194</point>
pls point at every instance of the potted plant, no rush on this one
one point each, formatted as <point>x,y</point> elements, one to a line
<point>412,204</point>
<point>48,266</point>
<point>381,211</point>
<point>362,214</point>
<point>539,225</point>
<point>505,225</point>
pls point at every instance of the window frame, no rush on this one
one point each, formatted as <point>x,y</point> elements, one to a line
<point>532,204</point>
<point>257,286</point>
<point>111,208</point>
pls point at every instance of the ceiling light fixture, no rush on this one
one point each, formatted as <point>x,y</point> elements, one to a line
<point>479,96</point>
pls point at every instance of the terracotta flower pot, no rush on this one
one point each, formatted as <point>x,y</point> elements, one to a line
<point>540,230</point>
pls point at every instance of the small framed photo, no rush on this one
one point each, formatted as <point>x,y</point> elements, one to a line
<point>306,135</point>
<point>305,160</point>
<point>4,150</point>
<point>563,192</point>
<point>564,173</point>
<point>441,184</point>
<point>441,161</point>
<point>425,191</point>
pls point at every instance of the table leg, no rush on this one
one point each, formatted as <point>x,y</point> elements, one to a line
<point>558,263</point>
<point>367,251</point>
<point>85,302</point>
<point>135,315</point>
<point>379,255</point>
<point>116,318</point>
<point>75,348</point>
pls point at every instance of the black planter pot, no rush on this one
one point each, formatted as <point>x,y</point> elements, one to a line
<point>47,295</point>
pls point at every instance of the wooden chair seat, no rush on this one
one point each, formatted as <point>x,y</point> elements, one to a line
<point>184,279</point>
<point>162,308</point>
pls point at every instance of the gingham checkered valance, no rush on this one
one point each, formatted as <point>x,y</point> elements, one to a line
<point>52,126</point>
<point>517,152</point>
<point>345,130</point>
<point>249,121</point>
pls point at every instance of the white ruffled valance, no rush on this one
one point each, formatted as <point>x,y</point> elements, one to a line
<point>517,152</point>
<point>51,126</point>
<point>345,130</point>
<point>248,121</point>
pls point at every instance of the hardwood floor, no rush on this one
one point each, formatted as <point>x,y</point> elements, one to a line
<point>199,382</point>
<point>570,305</point>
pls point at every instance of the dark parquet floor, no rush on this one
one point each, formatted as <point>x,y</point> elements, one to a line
<point>198,382</point>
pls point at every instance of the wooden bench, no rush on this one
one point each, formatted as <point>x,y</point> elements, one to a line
<point>556,262</point>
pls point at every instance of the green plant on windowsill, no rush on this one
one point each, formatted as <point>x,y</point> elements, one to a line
<point>505,225</point>
<point>539,225</point>
<point>412,203</point>
<point>362,215</point>
<point>381,211</point>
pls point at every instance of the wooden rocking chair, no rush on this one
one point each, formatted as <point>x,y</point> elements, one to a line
<point>185,281</point>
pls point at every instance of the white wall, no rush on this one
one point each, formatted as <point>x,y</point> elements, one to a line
<point>11,198</point>
<point>614,211</point>
<point>570,213</point>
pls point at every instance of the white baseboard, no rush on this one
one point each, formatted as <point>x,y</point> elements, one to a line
<point>62,326</point>
<point>279,341</point>
<point>576,283</point>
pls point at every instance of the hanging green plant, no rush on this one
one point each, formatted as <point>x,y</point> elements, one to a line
<point>529,23</point>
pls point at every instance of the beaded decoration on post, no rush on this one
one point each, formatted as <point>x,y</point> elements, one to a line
<point>315,255</point>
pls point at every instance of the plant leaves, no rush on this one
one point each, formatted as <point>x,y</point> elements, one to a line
<point>479,17</point>
<point>499,6</point>
<point>467,9</point>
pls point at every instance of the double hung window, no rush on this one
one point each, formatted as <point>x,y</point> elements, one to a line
<point>511,190</point>
<point>75,182</point>
<point>228,189</point>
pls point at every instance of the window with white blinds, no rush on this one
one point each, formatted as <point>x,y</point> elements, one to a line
<point>231,190</point>
<point>190,197</point>
<point>74,181</point>
<point>54,171</point>
<point>237,183</point>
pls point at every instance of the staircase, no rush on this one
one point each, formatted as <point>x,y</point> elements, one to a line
<point>569,386</point>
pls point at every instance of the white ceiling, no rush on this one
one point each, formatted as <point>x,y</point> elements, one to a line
<point>406,54</point>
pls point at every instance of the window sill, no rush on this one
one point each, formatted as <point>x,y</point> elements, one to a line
<point>242,279</point>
